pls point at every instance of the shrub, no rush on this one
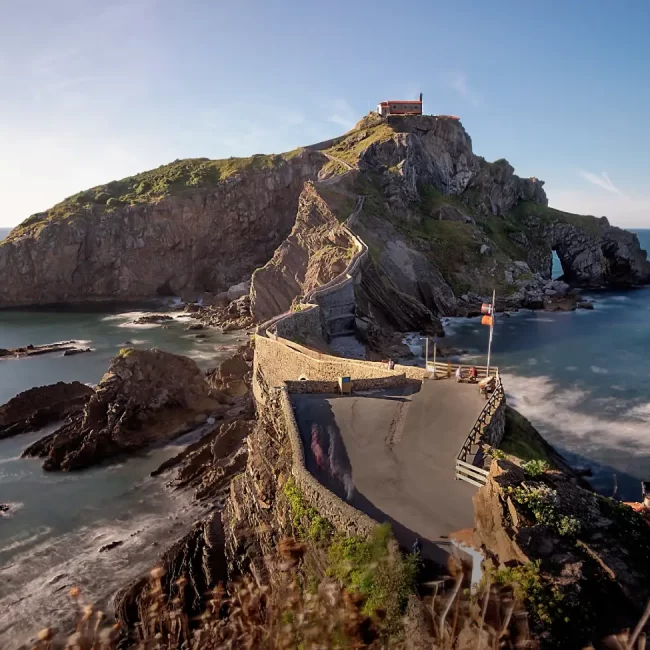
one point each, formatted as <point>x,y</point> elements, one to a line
<point>376,569</point>
<point>543,599</point>
<point>542,502</point>
<point>496,453</point>
<point>535,467</point>
<point>307,523</point>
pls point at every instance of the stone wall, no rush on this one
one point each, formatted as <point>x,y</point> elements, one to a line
<point>302,325</point>
<point>342,515</point>
<point>333,386</point>
<point>281,361</point>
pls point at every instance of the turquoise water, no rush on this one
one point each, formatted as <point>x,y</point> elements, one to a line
<point>582,378</point>
<point>52,540</point>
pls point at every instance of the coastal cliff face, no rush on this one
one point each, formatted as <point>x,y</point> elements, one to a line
<point>186,228</point>
<point>317,250</point>
<point>443,227</point>
<point>580,559</point>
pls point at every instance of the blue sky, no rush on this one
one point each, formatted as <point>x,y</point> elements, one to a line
<point>93,90</point>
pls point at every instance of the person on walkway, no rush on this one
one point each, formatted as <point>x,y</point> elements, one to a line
<point>417,546</point>
<point>459,375</point>
<point>473,374</point>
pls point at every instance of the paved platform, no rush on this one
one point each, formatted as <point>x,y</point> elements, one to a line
<point>398,447</point>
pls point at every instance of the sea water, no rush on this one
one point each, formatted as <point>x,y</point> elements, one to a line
<point>581,378</point>
<point>60,521</point>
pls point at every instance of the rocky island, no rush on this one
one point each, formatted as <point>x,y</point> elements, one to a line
<point>384,230</point>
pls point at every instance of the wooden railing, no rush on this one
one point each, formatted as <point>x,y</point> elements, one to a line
<point>445,369</point>
<point>467,471</point>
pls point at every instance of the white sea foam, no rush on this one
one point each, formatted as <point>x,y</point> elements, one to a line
<point>599,371</point>
<point>553,408</point>
<point>13,507</point>
<point>532,362</point>
<point>34,587</point>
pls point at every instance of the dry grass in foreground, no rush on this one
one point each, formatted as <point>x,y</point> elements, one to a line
<point>252,617</point>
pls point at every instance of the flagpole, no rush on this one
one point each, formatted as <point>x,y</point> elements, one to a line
<point>494,305</point>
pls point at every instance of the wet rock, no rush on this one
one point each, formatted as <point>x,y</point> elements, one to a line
<point>198,558</point>
<point>153,318</point>
<point>146,396</point>
<point>74,351</point>
<point>35,350</point>
<point>585,304</point>
<point>35,408</point>
<point>194,326</point>
<point>110,546</point>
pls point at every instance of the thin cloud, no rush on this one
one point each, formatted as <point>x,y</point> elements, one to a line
<point>603,181</point>
<point>342,114</point>
<point>458,82</point>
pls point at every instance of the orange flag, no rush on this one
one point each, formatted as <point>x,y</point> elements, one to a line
<point>487,320</point>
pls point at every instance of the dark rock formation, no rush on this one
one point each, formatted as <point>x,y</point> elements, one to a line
<point>153,318</point>
<point>37,407</point>
<point>189,569</point>
<point>593,575</point>
<point>35,350</point>
<point>146,396</point>
<point>317,250</point>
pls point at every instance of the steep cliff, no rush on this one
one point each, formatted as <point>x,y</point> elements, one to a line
<point>443,226</point>
<point>317,250</point>
<point>578,560</point>
<point>183,229</point>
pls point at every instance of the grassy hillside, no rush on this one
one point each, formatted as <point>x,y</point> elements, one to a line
<point>151,186</point>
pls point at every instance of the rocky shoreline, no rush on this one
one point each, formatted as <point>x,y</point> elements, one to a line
<point>68,348</point>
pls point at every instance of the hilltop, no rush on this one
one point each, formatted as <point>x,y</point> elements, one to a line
<point>443,227</point>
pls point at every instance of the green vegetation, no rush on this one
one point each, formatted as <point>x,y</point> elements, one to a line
<point>541,501</point>
<point>496,453</point>
<point>376,569</point>
<point>150,187</point>
<point>535,467</point>
<point>548,215</point>
<point>306,520</point>
<point>349,149</point>
<point>125,352</point>
<point>543,599</point>
<point>522,440</point>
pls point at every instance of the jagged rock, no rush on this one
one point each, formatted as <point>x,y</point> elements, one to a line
<point>75,351</point>
<point>194,326</point>
<point>316,251</point>
<point>599,569</point>
<point>592,255</point>
<point>585,304</point>
<point>485,250</point>
<point>37,407</point>
<point>111,545</point>
<point>146,396</point>
<point>152,318</point>
<point>238,290</point>
<point>382,302</point>
<point>35,350</point>
<point>198,558</point>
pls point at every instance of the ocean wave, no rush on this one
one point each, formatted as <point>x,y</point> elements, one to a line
<point>34,587</point>
<point>13,507</point>
<point>599,371</point>
<point>557,410</point>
